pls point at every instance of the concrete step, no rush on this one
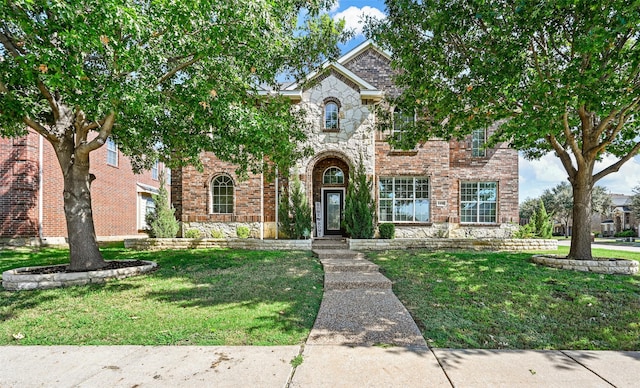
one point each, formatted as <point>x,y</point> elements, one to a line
<point>356,280</point>
<point>330,243</point>
<point>348,265</point>
<point>337,254</point>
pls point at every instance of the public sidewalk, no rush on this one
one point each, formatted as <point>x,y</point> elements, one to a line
<point>363,337</point>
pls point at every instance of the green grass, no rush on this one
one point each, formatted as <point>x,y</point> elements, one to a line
<point>502,300</point>
<point>196,297</point>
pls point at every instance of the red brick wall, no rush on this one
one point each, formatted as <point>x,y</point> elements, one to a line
<point>19,187</point>
<point>114,197</point>
<point>192,197</point>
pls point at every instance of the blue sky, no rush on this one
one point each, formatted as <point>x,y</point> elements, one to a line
<point>535,176</point>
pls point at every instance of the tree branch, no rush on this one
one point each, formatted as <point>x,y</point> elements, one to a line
<point>105,132</point>
<point>563,155</point>
<point>571,140</point>
<point>176,69</point>
<point>616,166</point>
<point>40,129</point>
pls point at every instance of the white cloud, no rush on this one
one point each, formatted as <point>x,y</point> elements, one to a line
<point>334,7</point>
<point>537,175</point>
<point>354,17</point>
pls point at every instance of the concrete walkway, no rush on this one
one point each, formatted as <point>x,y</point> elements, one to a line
<point>363,337</point>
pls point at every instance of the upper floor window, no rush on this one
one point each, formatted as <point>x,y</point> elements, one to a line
<point>478,202</point>
<point>401,120</point>
<point>331,114</point>
<point>478,141</point>
<point>154,170</point>
<point>333,176</point>
<point>112,152</point>
<point>404,199</point>
<point>222,195</point>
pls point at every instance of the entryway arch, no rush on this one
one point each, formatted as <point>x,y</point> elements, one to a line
<point>329,177</point>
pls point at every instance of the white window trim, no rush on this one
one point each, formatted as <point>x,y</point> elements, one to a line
<point>478,149</point>
<point>329,168</point>
<point>110,143</point>
<point>324,122</point>
<point>233,185</point>
<point>477,216</point>
<point>393,220</point>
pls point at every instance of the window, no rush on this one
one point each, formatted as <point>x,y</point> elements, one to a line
<point>478,202</point>
<point>404,199</point>
<point>333,176</point>
<point>331,115</point>
<point>478,141</point>
<point>154,170</point>
<point>112,152</point>
<point>222,195</point>
<point>400,121</point>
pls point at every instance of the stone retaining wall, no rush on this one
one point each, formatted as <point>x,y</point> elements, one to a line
<point>598,265</point>
<point>20,279</point>
<point>235,243</point>
<point>455,244</point>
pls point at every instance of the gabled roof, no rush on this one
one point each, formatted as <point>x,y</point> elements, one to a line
<point>367,90</point>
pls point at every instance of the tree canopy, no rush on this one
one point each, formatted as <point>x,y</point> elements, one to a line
<point>165,79</point>
<point>557,76</point>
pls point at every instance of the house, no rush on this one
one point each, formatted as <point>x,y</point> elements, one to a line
<point>619,217</point>
<point>438,189</point>
<point>31,202</point>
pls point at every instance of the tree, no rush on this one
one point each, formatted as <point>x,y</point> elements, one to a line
<point>163,79</point>
<point>161,221</point>
<point>550,76</point>
<point>528,207</point>
<point>359,207</point>
<point>294,211</point>
<point>635,202</point>
<point>559,200</point>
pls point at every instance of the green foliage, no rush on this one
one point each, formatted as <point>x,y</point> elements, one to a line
<point>540,225</point>
<point>359,207</point>
<point>635,202</point>
<point>294,212</point>
<point>215,233</point>
<point>544,76</point>
<point>528,207</point>
<point>387,230</point>
<point>162,222</point>
<point>193,233</point>
<point>243,231</point>
<point>626,233</point>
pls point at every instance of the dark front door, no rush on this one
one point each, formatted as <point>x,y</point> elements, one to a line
<point>333,203</point>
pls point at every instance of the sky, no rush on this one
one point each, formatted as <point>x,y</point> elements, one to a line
<point>535,176</point>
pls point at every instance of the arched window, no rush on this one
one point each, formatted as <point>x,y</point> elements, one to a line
<point>333,176</point>
<point>222,195</point>
<point>331,111</point>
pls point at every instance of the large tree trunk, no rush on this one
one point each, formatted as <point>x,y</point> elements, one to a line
<point>581,235</point>
<point>84,254</point>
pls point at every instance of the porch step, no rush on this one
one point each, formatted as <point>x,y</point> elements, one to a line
<point>356,280</point>
<point>337,254</point>
<point>329,243</point>
<point>348,265</point>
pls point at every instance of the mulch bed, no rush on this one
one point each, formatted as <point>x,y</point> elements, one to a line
<point>113,264</point>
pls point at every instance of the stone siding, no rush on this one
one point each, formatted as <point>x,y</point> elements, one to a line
<point>454,244</point>
<point>190,243</point>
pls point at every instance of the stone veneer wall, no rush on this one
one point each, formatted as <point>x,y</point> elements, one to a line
<point>455,244</point>
<point>607,266</point>
<point>240,243</point>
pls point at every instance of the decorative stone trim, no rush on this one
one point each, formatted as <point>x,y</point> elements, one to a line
<point>597,265</point>
<point>455,244</point>
<point>154,244</point>
<point>20,279</point>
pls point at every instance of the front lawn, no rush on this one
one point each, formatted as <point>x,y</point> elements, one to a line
<point>502,300</point>
<point>196,297</point>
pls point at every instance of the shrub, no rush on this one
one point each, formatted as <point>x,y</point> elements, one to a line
<point>294,212</point>
<point>387,230</point>
<point>243,231</point>
<point>162,222</point>
<point>193,233</point>
<point>626,233</point>
<point>215,233</point>
<point>539,226</point>
<point>359,207</point>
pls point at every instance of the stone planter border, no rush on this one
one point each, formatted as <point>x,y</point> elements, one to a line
<point>153,244</point>
<point>597,265</point>
<point>17,279</point>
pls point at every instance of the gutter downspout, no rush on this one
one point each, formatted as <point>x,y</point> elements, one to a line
<point>40,188</point>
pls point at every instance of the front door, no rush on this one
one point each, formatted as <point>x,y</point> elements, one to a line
<point>333,203</point>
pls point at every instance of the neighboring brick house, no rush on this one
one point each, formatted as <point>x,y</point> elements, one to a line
<point>619,217</point>
<point>439,189</point>
<point>31,203</point>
